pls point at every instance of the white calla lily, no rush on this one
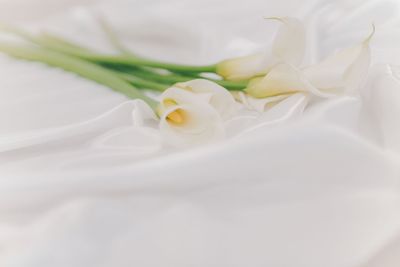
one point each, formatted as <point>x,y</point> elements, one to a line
<point>288,46</point>
<point>284,79</point>
<point>290,41</point>
<point>340,73</point>
<point>216,95</point>
<point>344,71</point>
<point>241,68</point>
<point>193,112</point>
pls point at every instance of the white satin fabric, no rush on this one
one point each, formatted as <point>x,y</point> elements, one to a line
<point>85,182</point>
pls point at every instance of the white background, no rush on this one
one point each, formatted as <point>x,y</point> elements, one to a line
<point>322,190</point>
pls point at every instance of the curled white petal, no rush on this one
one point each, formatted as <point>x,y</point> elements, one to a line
<point>282,79</point>
<point>186,119</point>
<point>290,41</point>
<point>178,95</point>
<point>242,68</point>
<point>202,125</point>
<point>344,71</point>
<point>288,46</point>
<point>219,97</point>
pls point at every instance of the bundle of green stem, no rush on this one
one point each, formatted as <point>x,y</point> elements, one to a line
<point>125,72</point>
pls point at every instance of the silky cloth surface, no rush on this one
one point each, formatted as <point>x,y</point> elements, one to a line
<point>82,184</point>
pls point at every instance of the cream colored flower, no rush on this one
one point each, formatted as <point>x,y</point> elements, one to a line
<point>288,46</point>
<point>341,73</point>
<point>193,112</point>
<point>284,79</point>
<point>216,95</point>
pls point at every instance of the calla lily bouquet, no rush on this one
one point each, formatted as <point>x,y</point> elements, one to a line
<point>192,107</point>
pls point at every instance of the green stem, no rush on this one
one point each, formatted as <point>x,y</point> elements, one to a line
<point>181,73</point>
<point>121,59</point>
<point>162,78</point>
<point>142,83</point>
<point>134,61</point>
<point>175,78</point>
<point>81,67</point>
<point>230,85</point>
<point>59,44</point>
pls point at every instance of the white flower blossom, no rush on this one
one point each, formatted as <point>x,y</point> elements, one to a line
<point>288,46</point>
<point>216,95</point>
<point>193,112</point>
<point>340,73</point>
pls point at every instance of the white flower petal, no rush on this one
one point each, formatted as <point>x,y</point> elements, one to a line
<point>186,118</point>
<point>242,68</point>
<point>342,72</point>
<point>290,41</point>
<point>179,95</point>
<point>282,79</point>
<point>220,98</point>
<point>203,125</point>
<point>288,47</point>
